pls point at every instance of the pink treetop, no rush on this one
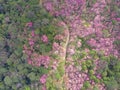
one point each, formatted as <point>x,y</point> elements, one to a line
<point>29,24</point>
<point>43,79</point>
<point>33,33</point>
<point>31,42</point>
<point>118,19</point>
<point>55,46</point>
<point>44,88</point>
<point>44,38</point>
<point>64,7</point>
<point>49,6</point>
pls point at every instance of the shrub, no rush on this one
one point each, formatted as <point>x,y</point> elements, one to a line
<point>7,80</point>
<point>86,84</point>
<point>112,85</point>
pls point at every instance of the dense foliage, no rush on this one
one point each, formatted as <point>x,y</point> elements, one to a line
<point>59,44</point>
<point>20,21</point>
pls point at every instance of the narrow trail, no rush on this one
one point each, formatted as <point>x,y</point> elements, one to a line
<point>73,75</point>
<point>65,47</point>
<point>61,56</point>
<point>67,41</point>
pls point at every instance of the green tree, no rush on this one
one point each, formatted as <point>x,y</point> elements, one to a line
<point>8,80</point>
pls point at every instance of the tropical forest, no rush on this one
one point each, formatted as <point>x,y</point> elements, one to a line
<point>59,44</point>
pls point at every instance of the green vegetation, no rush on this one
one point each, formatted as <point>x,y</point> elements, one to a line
<point>111,73</point>
<point>15,73</point>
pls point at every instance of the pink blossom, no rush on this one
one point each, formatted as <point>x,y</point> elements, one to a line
<point>25,47</point>
<point>61,23</point>
<point>55,64</point>
<point>33,33</point>
<point>49,6</point>
<point>31,42</point>
<point>45,61</point>
<point>43,79</point>
<point>87,79</point>
<point>39,60</point>
<point>92,42</point>
<point>59,37</point>
<point>29,24</point>
<point>79,44</point>
<point>92,82</point>
<point>55,46</point>
<point>29,61</point>
<point>117,19</point>
<point>71,51</point>
<point>44,88</point>
<point>99,76</point>
<point>28,52</point>
<point>44,38</point>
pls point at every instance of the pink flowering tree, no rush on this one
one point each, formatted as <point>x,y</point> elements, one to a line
<point>90,38</point>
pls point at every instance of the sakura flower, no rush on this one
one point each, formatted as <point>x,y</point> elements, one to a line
<point>44,88</point>
<point>92,42</point>
<point>48,6</point>
<point>28,52</point>
<point>29,61</point>
<point>79,44</point>
<point>55,46</point>
<point>31,42</point>
<point>25,47</point>
<point>43,79</point>
<point>41,60</point>
<point>118,19</point>
<point>71,51</point>
<point>99,76</point>
<point>32,33</point>
<point>29,24</point>
<point>61,23</point>
<point>59,37</point>
<point>44,38</point>
<point>55,64</point>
